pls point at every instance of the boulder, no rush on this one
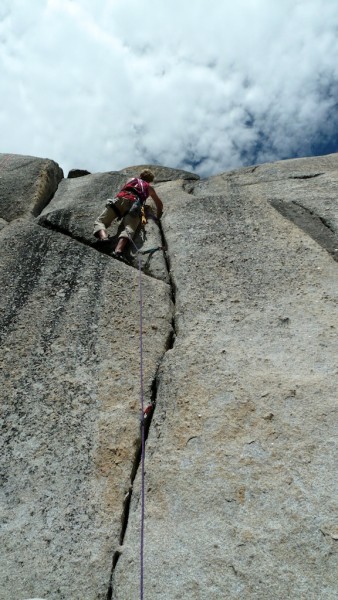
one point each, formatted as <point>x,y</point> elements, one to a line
<point>26,185</point>
<point>77,173</point>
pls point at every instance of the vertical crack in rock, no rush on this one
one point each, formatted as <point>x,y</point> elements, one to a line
<point>314,225</point>
<point>128,497</point>
<point>169,343</point>
<point>171,282</point>
<point>138,455</point>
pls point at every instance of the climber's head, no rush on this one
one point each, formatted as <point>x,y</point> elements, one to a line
<point>147,175</point>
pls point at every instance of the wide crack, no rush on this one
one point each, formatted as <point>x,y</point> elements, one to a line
<point>128,497</point>
<point>154,387</point>
<point>154,390</point>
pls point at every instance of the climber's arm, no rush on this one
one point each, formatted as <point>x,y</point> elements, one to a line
<point>157,200</point>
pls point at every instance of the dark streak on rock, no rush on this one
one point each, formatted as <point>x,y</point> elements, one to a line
<point>168,179</point>
<point>188,187</point>
<point>315,226</point>
<point>25,277</point>
<point>309,176</point>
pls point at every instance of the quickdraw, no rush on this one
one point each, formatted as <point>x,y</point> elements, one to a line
<point>150,252</point>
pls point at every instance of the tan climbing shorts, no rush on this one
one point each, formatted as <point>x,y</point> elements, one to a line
<point>105,219</point>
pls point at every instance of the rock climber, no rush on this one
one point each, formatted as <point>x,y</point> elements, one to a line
<point>127,205</point>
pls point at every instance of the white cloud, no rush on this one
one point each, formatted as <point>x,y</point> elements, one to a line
<point>110,84</point>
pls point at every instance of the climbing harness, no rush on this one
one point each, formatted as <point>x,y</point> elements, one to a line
<point>135,187</point>
<point>150,252</point>
<point>112,204</point>
<point>136,208</point>
<point>136,190</point>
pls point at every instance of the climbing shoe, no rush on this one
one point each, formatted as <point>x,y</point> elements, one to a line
<point>119,256</point>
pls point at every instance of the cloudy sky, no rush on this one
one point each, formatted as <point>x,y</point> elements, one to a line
<point>205,85</point>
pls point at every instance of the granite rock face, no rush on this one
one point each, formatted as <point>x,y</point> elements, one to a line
<point>240,355</point>
<point>246,416</point>
<point>303,190</point>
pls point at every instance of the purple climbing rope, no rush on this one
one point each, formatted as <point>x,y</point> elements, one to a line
<point>142,433</point>
<point>142,421</point>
